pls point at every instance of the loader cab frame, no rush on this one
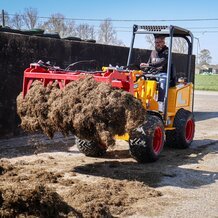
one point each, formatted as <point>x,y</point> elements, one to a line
<point>171,32</point>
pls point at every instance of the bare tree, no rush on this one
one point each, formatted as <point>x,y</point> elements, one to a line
<point>180,46</point>
<point>70,29</point>
<point>56,23</point>
<point>30,17</point>
<point>17,21</point>
<point>107,34</point>
<point>85,31</point>
<point>204,57</point>
<point>150,40</point>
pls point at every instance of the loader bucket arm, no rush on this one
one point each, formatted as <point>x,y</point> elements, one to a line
<point>117,78</point>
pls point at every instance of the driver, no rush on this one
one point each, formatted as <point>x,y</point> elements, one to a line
<point>157,64</point>
<point>159,57</point>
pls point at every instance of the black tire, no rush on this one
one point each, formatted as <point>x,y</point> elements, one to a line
<point>72,38</point>
<point>90,40</point>
<point>90,148</point>
<point>33,32</point>
<point>51,35</point>
<point>183,134</point>
<point>170,138</point>
<point>9,30</point>
<point>147,141</point>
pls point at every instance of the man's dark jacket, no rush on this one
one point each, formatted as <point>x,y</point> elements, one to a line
<point>159,59</point>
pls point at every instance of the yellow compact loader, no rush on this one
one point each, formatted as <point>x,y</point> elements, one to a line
<point>169,121</point>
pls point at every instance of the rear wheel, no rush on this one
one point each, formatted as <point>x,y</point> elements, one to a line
<point>90,148</point>
<point>184,131</point>
<point>147,141</point>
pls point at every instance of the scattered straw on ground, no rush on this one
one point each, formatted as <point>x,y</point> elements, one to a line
<point>39,201</point>
<point>30,196</point>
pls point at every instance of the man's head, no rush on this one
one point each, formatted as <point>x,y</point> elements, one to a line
<point>159,42</point>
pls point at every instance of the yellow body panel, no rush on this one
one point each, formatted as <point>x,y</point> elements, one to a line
<point>179,96</point>
<point>146,91</point>
<point>123,137</point>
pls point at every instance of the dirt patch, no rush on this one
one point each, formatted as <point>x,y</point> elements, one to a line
<point>35,202</point>
<point>116,185</point>
<point>86,108</point>
<point>20,174</point>
<point>5,166</point>
<point>117,170</point>
<point>23,191</point>
<point>108,197</point>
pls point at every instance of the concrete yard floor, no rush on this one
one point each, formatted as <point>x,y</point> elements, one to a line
<point>182,183</point>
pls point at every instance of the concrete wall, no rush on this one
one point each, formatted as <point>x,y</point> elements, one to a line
<point>18,51</point>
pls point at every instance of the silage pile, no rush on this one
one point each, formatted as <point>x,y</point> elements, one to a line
<point>86,108</point>
<point>40,201</point>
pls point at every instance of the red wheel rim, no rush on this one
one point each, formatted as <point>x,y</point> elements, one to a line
<point>158,139</point>
<point>189,130</point>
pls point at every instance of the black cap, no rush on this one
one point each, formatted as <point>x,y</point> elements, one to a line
<point>159,36</point>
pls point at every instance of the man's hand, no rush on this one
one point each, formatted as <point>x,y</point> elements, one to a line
<point>144,65</point>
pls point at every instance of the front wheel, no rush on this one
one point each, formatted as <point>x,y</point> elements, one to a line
<point>90,148</point>
<point>147,141</point>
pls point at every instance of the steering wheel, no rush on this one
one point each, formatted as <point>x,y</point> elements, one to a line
<point>149,73</point>
<point>149,70</point>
